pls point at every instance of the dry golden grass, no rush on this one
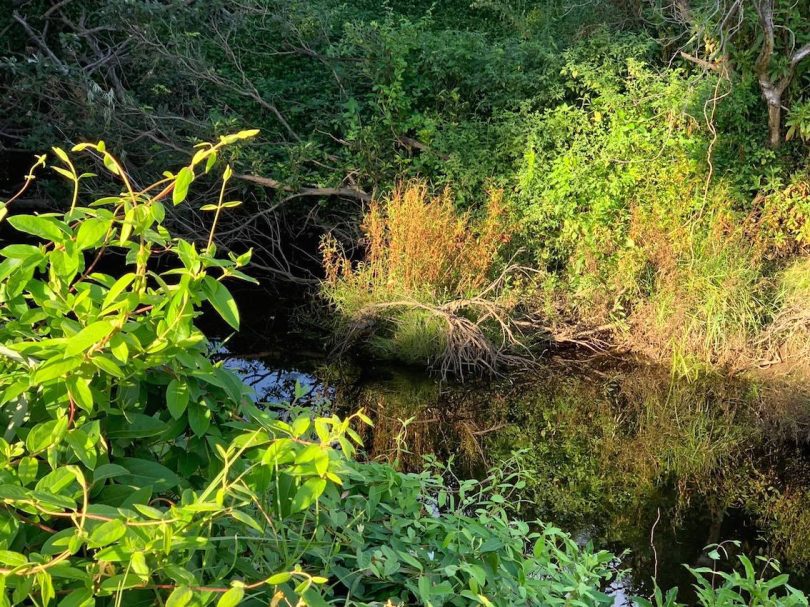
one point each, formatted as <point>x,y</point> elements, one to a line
<point>417,244</point>
<point>432,287</point>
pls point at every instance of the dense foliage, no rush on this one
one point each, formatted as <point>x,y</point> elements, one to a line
<point>654,198</point>
<point>466,183</point>
<point>135,471</point>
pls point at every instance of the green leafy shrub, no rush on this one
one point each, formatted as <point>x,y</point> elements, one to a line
<point>716,587</point>
<point>135,471</point>
<point>629,198</point>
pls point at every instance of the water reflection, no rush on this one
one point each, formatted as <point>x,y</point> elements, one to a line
<point>622,456</point>
<point>275,385</point>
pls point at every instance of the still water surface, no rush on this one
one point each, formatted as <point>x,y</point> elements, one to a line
<point>616,452</point>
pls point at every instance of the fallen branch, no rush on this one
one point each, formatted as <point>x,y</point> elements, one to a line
<point>268,182</point>
<point>715,66</point>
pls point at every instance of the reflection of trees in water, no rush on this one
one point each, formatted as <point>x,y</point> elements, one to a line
<point>607,451</point>
<point>414,417</point>
<point>276,385</point>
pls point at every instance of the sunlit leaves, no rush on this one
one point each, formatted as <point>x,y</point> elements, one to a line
<point>110,163</point>
<point>181,185</point>
<point>308,494</point>
<point>231,598</point>
<point>229,139</point>
<point>91,232</point>
<point>45,434</point>
<point>89,336</point>
<point>180,597</point>
<point>45,227</point>
<point>107,533</point>
<point>222,301</point>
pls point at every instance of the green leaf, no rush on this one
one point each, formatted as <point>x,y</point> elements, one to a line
<point>80,392</point>
<point>60,154</point>
<point>116,553</point>
<point>109,162</point>
<point>108,365</point>
<point>57,481</point>
<point>115,290</point>
<point>181,185</point>
<point>179,597</point>
<point>313,598</point>
<point>424,589</point>
<point>91,232</point>
<point>300,425</point>
<point>134,425</point>
<point>222,301</point>
<point>27,470</point>
<point>12,559</point>
<point>45,434</point>
<point>20,251</point>
<point>279,578</point>
<point>46,589</point>
<point>83,446</point>
<point>228,139</point>
<point>107,533</point>
<point>46,228</point>
<point>119,348</point>
<point>55,368</point>
<point>143,472</point>
<point>232,597</point>
<point>106,471</point>
<point>317,456</point>
<point>90,336</point>
<point>308,494</point>
<point>209,164</point>
<point>199,418</point>
<point>78,598</point>
<point>247,520</point>
<point>177,395</point>
<point>138,564</point>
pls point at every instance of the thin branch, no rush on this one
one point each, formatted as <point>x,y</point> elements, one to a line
<point>307,192</point>
<point>39,41</point>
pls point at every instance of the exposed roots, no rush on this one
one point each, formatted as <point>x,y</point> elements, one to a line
<point>468,324</point>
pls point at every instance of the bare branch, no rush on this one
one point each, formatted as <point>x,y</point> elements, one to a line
<point>40,42</point>
<point>800,54</point>
<point>307,192</point>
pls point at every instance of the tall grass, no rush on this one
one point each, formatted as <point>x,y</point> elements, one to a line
<point>706,308</point>
<point>432,287</point>
<point>419,246</point>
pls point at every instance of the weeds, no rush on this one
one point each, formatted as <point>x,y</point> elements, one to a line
<point>426,291</point>
<point>786,336</point>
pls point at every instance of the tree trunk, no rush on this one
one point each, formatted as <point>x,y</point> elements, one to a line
<point>774,125</point>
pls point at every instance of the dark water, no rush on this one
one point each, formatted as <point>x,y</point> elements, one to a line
<point>617,452</point>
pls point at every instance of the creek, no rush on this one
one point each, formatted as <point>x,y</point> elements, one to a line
<point>614,450</point>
